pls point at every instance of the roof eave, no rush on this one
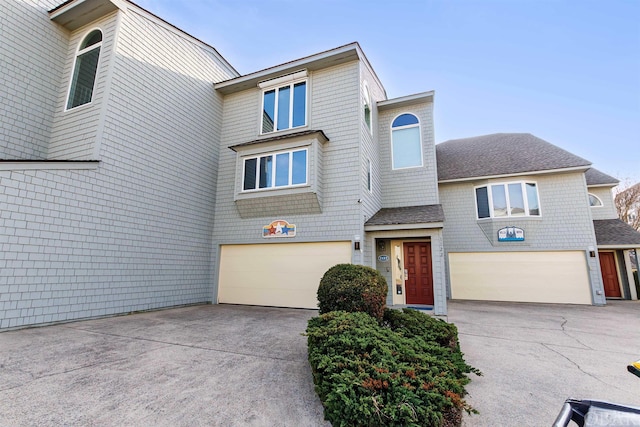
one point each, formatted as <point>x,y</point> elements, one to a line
<point>508,175</point>
<point>405,101</point>
<point>624,246</point>
<point>339,55</point>
<point>77,13</point>
<point>392,227</point>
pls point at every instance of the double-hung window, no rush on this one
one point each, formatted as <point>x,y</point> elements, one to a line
<point>275,170</point>
<point>504,200</point>
<point>284,103</point>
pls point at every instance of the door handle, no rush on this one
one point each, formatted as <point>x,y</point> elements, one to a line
<point>406,274</point>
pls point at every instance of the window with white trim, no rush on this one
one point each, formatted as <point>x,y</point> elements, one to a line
<point>406,145</point>
<point>367,107</point>
<point>275,170</point>
<point>84,70</point>
<point>284,102</point>
<point>506,200</point>
<point>594,201</point>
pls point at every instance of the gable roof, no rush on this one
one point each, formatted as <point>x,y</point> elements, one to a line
<point>615,232</point>
<point>595,178</point>
<point>502,154</point>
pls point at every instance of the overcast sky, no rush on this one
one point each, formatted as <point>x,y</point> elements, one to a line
<point>565,71</point>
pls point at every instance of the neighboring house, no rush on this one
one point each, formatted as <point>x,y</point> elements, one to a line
<point>141,171</point>
<point>518,224</point>
<point>618,242</point>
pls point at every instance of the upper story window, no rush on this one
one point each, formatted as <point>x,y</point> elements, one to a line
<point>594,201</point>
<point>84,70</point>
<point>275,170</point>
<point>284,102</point>
<point>511,199</point>
<point>367,107</point>
<point>406,146</point>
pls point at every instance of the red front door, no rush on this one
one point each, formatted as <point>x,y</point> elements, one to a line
<point>609,275</point>
<point>418,273</point>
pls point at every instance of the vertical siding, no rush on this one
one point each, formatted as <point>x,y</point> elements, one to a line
<point>413,186</point>
<point>135,234</point>
<point>28,94</point>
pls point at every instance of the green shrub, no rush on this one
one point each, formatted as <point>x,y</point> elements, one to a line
<point>367,374</point>
<point>353,288</point>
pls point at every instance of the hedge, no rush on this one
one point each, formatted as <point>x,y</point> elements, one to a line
<point>407,371</point>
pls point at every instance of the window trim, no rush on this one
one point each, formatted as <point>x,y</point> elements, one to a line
<point>369,176</point>
<point>79,52</point>
<point>418,125</point>
<point>276,84</point>
<point>367,107</point>
<point>505,184</point>
<point>597,198</point>
<point>273,154</point>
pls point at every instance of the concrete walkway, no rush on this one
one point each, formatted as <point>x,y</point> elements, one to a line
<point>534,356</point>
<point>213,365</point>
<point>225,365</point>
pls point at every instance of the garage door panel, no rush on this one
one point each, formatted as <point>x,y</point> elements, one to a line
<point>281,275</point>
<point>556,277</point>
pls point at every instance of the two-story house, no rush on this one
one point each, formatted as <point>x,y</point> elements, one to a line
<point>140,170</point>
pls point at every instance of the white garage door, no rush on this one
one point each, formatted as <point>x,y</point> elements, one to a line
<point>279,275</point>
<point>557,277</point>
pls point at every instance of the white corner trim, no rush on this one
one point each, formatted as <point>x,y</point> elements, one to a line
<point>8,165</point>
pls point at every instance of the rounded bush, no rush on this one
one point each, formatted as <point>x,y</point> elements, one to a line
<point>353,288</point>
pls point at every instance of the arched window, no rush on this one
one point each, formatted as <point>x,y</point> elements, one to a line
<point>84,70</point>
<point>367,107</point>
<point>594,201</point>
<point>406,148</point>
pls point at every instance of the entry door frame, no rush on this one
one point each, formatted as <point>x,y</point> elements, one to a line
<point>614,258</point>
<point>421,299</point>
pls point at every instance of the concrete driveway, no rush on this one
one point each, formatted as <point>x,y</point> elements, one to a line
<point>208,365</point>
<point>534,356</point>
<point>225,365</point>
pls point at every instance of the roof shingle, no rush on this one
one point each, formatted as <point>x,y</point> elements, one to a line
<point>407,215</point>
<point>595,177</point>
<point>613,232</point>
<point>501,154</point>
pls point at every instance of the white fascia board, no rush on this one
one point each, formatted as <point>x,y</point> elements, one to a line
<point>393,227</point>
<point>416,98</point>
<point>284,79</point>
<point>508,175</point>
<point>602,185</point>
<point>8,165</point>
<point>619,246</point>
<point>318,61</point>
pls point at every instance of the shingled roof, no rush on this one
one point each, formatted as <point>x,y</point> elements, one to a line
<point>407,215</point>
<point>596,178</point>
<point>615,232</point>
<point>501,154</point>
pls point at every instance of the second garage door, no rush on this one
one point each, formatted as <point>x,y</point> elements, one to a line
<point>279,275</point>
<point>557,277</point>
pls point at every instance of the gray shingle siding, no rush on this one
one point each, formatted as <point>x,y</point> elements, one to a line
<point>29,94</point>
<point>413,186</point>
<point>135,233</point>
